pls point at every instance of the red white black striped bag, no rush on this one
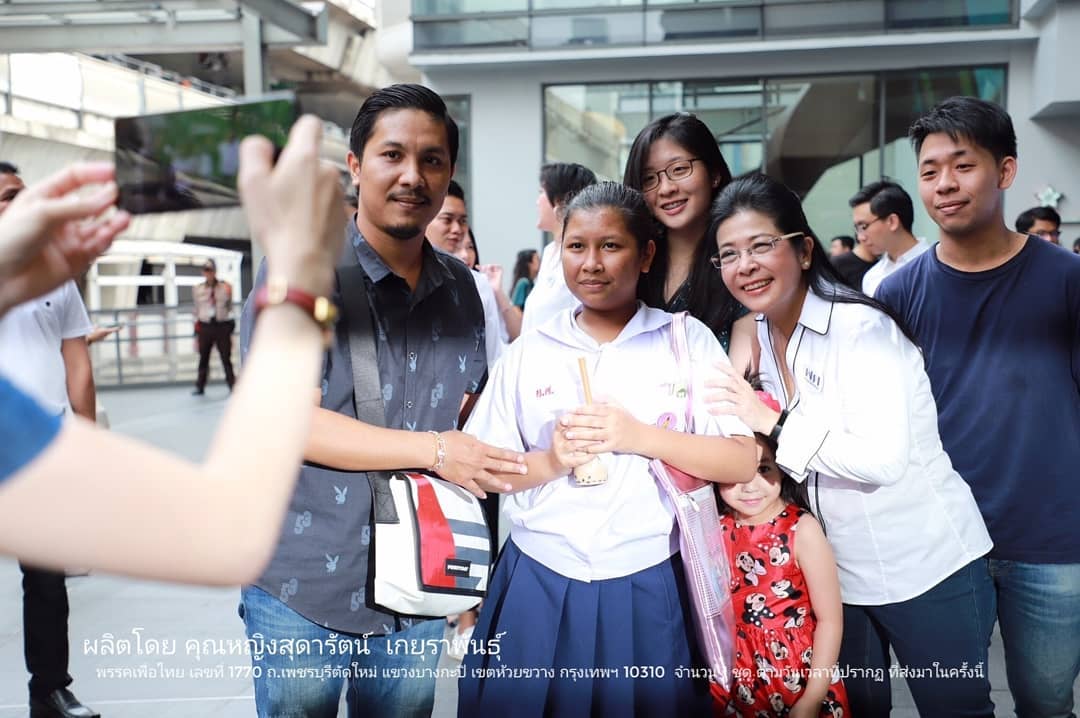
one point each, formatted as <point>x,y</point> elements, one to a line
<point>432,548</point>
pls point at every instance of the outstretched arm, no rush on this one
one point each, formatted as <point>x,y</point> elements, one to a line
<point>152,513</point>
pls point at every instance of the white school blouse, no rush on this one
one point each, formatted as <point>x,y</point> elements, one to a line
<point>863,434</point>
<point>626,524</point>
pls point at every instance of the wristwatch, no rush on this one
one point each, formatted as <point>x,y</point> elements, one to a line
<point>277,291</point>
<point>774,435</point>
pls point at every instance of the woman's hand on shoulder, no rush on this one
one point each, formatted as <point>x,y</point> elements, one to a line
<point>727,393</point>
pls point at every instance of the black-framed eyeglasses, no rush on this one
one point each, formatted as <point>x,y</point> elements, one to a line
<point>861,227</point>
<point>677,171</point>
<point>761,246</point>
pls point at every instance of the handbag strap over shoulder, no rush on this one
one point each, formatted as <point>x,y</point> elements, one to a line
<point>680,347</point>
<point>367,388</point>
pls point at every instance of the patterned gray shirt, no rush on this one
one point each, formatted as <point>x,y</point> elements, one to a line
<point>430,348</point>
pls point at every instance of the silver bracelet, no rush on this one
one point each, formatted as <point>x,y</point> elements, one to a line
<point>440,451</point>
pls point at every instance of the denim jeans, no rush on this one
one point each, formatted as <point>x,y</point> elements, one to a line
<point>945,629</point>
<point>306,682</point>
<point>1038,607</point>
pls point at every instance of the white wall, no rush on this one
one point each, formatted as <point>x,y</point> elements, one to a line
<point>506,117</point>
<point>1048,148</point>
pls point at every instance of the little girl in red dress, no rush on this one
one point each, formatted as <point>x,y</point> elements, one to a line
<point>786,595</point>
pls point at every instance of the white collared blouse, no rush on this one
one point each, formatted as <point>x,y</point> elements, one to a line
<point>862,432</point>
<point>626,524</point>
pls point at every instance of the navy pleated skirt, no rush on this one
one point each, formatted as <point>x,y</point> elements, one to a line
<point>619,647</point>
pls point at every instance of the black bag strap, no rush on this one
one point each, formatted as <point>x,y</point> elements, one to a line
<point>367,389</point>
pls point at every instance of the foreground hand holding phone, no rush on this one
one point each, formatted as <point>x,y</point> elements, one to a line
<point>144,512</point>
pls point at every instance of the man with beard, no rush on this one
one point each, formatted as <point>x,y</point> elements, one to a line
<point>429,335</point>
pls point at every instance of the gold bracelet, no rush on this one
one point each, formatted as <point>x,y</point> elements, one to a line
<point>440,451</point>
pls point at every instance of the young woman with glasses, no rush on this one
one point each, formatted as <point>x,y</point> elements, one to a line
<point>676,163</point>
<point>859,428</point>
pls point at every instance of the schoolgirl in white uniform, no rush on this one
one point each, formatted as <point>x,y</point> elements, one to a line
<point>587,600</point>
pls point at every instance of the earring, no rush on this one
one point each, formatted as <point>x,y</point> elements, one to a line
<point>806,265</point>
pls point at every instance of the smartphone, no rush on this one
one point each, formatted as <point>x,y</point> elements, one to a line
<point>189,159</point>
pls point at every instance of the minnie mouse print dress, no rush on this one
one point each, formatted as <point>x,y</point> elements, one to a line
<point>774,623</point>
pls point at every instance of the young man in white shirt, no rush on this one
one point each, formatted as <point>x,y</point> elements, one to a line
<point>883,214</point>
<point>446,232</point>
<point>43,351</point>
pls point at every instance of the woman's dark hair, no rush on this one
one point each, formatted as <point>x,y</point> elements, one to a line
<point>628,202</point>
<point>562,180</point>
<point>475,249</point>
<point>709,299</point>
<point>762,194</point>
<point>521,265</point>
<point>401,97</point>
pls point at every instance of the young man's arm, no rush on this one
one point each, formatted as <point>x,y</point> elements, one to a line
<point>80,377</point>
<point>344,443</point>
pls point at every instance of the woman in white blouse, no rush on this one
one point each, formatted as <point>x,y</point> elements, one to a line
<point>859,426</point>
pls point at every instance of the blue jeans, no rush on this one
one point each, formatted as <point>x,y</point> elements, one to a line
<point>945,629</point>
<point>303,677</point>
<point>1039,616</point>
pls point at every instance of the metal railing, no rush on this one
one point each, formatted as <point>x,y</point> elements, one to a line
<point>152,70</point>
<point>156,344</point>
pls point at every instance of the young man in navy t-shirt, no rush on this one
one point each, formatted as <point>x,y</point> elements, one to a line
<point>997,314</point>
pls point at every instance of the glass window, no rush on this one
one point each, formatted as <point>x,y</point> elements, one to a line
<point>912,14</point>
<point>583,30</point>
<point>487,32</point>
<point>464,7</point>
<point>912,93</point>
<point>682,24</point>
<point>822,131</point>
<point>594,125</point>
<point>821,136</point>
<point>587,4</point>
<point>848,17</point>
<point>459,108</point>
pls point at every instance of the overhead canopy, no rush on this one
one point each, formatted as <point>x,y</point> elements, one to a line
<point>139,26</point>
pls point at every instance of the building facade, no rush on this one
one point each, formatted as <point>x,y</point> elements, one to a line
<point>818,93</point>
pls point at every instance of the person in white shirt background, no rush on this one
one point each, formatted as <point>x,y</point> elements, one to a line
<point>509,313</point>
<point>859,425</point>
<point>559,182</point>
<point>883,213</point>
<point>43,351</point>
<point>446,232</point>
<point>589,578</point>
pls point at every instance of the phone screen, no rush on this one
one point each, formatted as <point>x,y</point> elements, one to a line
<point>189,160</point>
